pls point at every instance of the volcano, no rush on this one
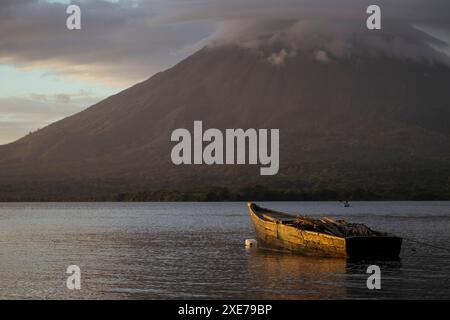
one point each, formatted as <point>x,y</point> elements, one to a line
<point>371,124</point>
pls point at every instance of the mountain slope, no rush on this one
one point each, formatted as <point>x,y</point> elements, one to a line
<point>343,123</point>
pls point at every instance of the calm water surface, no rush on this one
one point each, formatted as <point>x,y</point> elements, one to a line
<point>196,251</point>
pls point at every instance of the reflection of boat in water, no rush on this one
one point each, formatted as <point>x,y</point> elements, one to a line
<point>321,237</point>
<point>275,275</point>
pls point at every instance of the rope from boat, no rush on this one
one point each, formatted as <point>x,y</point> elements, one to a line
<point>427,244</point>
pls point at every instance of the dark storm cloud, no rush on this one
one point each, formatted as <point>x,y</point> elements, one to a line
<point>412,29</point>
<point>127,41</point>
<point>434,12</point>
<point>118,41</point>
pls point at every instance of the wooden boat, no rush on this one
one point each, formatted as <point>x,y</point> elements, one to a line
<point>278,230</point>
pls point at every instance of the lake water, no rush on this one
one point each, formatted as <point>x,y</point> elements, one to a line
<point>196,251</point>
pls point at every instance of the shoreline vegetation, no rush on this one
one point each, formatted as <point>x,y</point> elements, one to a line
<point>261,193</point>
<point>254,193</point>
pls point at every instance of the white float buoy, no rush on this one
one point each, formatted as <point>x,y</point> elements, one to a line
<point>250,243</point>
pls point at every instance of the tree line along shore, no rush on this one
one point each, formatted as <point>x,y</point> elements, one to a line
<point>253,193</point>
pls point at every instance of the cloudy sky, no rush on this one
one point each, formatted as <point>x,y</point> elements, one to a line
<point>48,72</point>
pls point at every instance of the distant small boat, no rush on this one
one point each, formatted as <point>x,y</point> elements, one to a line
<point>346,204</point>
<point>321,237</point>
